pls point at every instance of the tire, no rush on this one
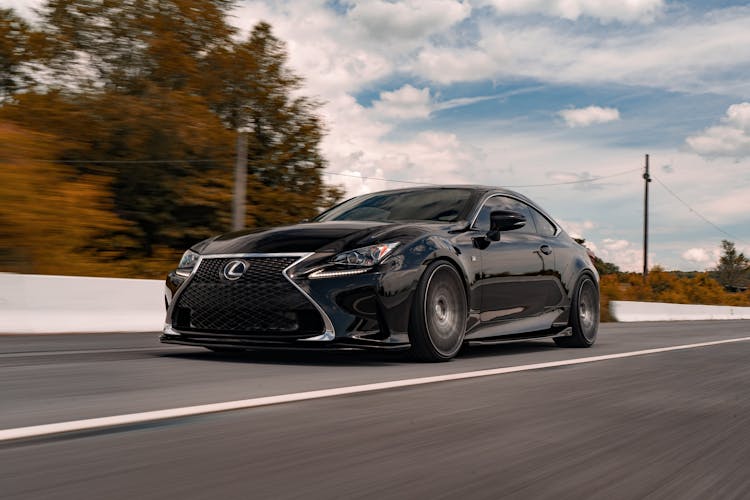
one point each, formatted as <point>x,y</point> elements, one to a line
<point>438,314</point>
<point>584,315</point>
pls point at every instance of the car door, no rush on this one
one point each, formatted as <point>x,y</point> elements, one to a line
<point>518,279</point>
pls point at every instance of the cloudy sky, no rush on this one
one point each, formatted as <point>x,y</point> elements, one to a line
<point>543,96</point>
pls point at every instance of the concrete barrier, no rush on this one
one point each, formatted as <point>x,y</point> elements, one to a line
<point>657,311</point>
<point>60,304</point>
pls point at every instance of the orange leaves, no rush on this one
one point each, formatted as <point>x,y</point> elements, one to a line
<point>50,218</point>
<point>670,287</point>
<point>122,155</point>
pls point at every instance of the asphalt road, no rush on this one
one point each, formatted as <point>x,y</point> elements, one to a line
<point>665,425</point>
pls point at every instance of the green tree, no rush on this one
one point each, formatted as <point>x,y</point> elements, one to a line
<point>734,268</point>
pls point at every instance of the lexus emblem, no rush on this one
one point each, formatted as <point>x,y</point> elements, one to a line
<point>234,270</point>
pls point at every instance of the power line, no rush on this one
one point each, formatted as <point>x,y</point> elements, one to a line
<point>356,176</point>
<point>580,181</point>
<point>90,162</point>
<point>698,214</point>
<point>341,174</point>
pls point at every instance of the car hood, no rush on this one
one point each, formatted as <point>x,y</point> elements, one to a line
<point>324,237</point>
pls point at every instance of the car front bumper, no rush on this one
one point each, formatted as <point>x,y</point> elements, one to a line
<point>370,310</point>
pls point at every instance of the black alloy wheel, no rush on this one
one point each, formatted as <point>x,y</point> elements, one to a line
<point>439,312</point>
<point>584,315</point>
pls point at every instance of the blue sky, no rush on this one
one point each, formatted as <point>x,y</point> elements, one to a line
<point>520,92</point>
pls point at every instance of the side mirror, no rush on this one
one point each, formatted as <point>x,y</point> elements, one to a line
<point>504,220</point>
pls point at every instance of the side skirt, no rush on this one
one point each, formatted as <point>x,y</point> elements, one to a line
<point>566,332</point>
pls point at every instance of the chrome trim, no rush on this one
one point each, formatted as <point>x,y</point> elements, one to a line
<point>473,219</point>
<point>328,333</point>
<point>230,270</point>
<point>168,330</point>
<point>323,273</point>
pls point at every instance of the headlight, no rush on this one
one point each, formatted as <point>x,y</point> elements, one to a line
<point>187,263</point>
<point>365,256</point>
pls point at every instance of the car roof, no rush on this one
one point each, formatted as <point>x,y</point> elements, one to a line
<point>479,190</point>
<point>473,187</point>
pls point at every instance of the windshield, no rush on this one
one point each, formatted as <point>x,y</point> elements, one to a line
<point>439,204</point>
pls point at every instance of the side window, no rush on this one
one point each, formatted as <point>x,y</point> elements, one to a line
<point>505,203</point>
<point>543,225</point>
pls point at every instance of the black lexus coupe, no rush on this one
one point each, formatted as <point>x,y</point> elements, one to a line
<point>426,268</point>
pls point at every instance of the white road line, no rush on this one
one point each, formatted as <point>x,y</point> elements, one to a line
<point>32,354</point>
<point>150,416</point>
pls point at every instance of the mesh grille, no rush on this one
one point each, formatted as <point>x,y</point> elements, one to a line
<point>262,302</point>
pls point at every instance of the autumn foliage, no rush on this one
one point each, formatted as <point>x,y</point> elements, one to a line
<point>666,286</point>
<point>118,125</point>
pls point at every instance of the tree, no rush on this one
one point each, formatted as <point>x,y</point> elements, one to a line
<point>16,41</point>
<point>50,218</point>
<point>734,268</point>
<point>284,131</point>
<point>145,99</point>
<point>125,45</point>
<point>601,266</point>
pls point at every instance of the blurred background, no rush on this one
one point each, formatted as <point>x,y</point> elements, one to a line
<point>119,124</point>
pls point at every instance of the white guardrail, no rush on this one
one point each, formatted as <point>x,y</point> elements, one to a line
<point>60,304</point>
<point>658,311</point>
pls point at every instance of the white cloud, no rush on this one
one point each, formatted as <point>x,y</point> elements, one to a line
<point>409,19</point>
<point>623,253</point>
<point>701,256</point>
<point>358,144</point>
<point>731,138</point>
<point>706,256</point>
<point>330,53</point>
<point>577,180</point>
<point>24,8</point>
<point>449,65</point>
<point>584,117</point>
<point>579,229</point>
<point>604,10</point>
<point>405,103</point>
<point>653,57</point>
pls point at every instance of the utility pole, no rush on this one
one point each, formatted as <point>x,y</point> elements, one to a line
<point>646,180</point>
<point>240,183</point>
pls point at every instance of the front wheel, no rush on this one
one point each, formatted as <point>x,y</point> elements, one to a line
<point>584,315</point>
<point>439,312</point>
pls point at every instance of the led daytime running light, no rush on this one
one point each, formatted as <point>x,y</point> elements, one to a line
<point>365,256</point>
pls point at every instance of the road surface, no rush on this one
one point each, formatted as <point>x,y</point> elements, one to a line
<point>668,424</point>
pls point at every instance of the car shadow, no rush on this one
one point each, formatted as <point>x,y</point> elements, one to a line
<point>356,357</point>
<point>509,348</point>
<point>297,357</point>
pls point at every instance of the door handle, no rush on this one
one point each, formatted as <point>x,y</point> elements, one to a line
<point>545,249</point>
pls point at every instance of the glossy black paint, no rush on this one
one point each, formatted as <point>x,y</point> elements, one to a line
<point>518,285</point>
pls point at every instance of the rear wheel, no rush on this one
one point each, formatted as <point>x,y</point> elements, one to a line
<point>584,315</point>
<point>438,316</point>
